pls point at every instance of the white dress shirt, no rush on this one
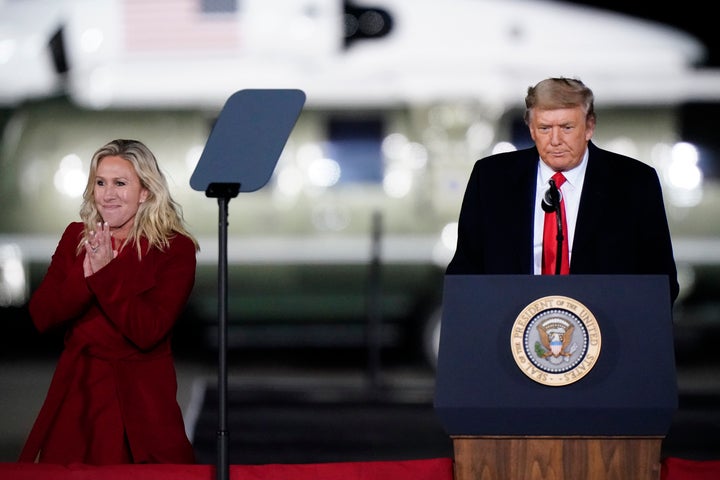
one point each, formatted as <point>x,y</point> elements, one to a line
<point>571,190</point>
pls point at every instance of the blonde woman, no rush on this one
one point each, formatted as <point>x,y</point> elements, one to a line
<point>117,283</point>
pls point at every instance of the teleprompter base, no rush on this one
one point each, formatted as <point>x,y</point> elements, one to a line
<point>556,458</point>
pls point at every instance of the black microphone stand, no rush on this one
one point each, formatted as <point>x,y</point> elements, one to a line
<point>551,203</point>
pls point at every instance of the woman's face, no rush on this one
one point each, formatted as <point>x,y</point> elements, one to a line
<point>118,194</point>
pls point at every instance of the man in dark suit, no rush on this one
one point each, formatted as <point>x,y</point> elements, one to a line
<point>615,213</point>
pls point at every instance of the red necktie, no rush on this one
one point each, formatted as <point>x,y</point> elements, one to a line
<point>550,237</point>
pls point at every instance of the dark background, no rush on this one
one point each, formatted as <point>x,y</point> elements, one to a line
<point>691,16</point>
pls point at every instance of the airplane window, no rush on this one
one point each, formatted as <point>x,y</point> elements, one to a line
<point>365,23</point>
<point>356,146</point>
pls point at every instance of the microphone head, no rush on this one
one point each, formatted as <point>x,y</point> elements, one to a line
<point>551,200</point>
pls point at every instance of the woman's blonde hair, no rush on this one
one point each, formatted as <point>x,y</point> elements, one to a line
<point>158,218</point>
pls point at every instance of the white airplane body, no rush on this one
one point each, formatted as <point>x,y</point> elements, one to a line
<point>128,53</point>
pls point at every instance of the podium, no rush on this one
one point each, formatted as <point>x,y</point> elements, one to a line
<point>556,377</point>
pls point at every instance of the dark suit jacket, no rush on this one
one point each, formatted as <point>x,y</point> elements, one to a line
<point>621,226</point>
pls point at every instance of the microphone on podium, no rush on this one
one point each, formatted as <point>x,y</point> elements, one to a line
<point>552,198</point>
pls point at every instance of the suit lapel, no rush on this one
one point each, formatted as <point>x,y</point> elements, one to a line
<point>595,204</point>
<point>520,210</point>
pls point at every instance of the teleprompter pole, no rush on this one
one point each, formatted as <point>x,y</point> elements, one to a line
<point>244,146</point>
<point>223,192</point>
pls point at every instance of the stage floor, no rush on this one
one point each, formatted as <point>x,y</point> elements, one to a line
<point>285,409</point>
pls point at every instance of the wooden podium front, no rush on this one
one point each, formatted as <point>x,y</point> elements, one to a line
<point>603,419</point>
<point>556,458</point>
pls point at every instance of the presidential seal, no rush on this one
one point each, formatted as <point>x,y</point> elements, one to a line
<point>555,340</point>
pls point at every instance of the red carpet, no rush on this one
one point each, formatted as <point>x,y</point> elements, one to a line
<point>431,469</point>
<point>680,469</point>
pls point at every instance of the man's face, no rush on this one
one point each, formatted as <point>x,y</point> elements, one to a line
<point>561,136</point>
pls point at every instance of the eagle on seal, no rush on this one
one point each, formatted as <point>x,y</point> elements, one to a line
<point>555,343</point>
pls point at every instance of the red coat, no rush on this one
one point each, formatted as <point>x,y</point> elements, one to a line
<point>112,398</point>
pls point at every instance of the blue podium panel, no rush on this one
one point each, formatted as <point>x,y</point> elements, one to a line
<point>630,389</point>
